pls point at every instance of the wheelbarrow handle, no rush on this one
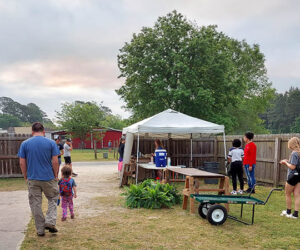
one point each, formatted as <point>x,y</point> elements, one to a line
<point>274,189</point>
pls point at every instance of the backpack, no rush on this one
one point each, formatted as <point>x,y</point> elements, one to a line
<point>65,187</point>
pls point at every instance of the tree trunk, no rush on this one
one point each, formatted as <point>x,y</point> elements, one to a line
<point>95,149</point>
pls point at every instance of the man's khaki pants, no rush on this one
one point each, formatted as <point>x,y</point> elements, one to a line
<point>35,190</point>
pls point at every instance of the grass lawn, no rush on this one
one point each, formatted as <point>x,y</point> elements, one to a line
<point>12,184</point>
<point>122,228</point>
<point>88,155</point>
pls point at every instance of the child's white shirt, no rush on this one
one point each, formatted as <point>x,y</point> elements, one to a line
<point>236,154</point>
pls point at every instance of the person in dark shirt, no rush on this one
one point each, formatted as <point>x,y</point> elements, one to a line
<point>121,153</point>
<point>60,148</point>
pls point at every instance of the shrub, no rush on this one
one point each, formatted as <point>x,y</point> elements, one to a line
<point>151,194</point>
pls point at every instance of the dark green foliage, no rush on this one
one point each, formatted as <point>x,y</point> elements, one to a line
<point>16,114</point>
<point>151,194</point>
<point>195,70</point>
<point>7,121</point>
<point>284,114</point>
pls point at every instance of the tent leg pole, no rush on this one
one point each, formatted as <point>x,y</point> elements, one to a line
<point>137,159</point>
<point>191,164</point>
<point>224,138</point>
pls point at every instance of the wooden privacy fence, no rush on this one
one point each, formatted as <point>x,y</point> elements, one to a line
<point>270,150</point>
<point>9,162</point>
<point>180,150</point>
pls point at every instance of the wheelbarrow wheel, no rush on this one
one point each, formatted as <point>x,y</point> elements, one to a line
<point>217,215</point>
<point>203,209</point>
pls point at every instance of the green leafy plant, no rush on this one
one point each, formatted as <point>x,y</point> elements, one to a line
<point>151,194</point>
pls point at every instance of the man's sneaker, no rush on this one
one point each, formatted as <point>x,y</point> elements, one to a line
<point>240,191</point>
<point>51,228</point>
<point>249,190</point>
<point>40,234</point>
<point>233,192</point>
<point>291,216</point>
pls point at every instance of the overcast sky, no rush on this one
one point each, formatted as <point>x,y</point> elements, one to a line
<point>64,50</point>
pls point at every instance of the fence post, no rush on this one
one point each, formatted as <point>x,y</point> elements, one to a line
<point>276,161</point>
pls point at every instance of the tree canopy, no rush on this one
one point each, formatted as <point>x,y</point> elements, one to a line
<point>284,114</point>
<point>16,114</point>
<point>195,70</point>
<point>7,121</point>
<point>81,118</point>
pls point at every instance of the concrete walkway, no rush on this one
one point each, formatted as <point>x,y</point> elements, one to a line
<point>14,217</point>
<point>95,179</point>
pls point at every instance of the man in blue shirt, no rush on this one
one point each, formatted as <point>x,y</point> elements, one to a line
<point>39,164</point>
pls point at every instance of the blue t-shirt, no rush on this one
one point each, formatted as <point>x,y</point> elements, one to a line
<point>38,152</point>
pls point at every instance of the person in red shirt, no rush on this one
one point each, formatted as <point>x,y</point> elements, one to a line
<point>250,161</point>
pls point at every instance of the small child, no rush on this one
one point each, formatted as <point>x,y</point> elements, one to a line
<point>235,157</point>
<point>250,161</point>
<point>67,189</point>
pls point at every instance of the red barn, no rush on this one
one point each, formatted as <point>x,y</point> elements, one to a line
<point>110,134</point>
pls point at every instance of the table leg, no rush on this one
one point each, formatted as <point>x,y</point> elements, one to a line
<point>185,197</point>
<point>192,191</point>
<point>166,176</point>
<point>226,188</point>
<point>221,185</point>
<point>226,185</point>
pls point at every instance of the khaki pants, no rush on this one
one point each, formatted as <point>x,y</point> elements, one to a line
<point>35,190</point>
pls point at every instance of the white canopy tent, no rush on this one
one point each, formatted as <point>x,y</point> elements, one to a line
<point>171,124</point>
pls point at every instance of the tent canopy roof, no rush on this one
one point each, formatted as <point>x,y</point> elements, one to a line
<point>173,122</point>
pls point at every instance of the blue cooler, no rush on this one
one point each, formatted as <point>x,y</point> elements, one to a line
<point>160,158</point>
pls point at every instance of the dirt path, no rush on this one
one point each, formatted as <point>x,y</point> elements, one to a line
<point>95,180</point>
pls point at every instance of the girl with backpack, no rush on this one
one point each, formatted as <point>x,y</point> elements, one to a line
<point>67,190</point>
<point>293,179</point>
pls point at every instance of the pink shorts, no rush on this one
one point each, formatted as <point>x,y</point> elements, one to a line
<point>120,165</point>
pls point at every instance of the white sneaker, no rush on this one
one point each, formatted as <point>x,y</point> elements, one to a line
<point>291,216</point>
<point>234,192</point>
<point>240,191</point>
<point>284,213</point>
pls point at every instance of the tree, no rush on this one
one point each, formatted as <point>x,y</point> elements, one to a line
<point>296,126</point>
<point>114,121</point>
<point>7,121</point>
<point>195,70</point>
<point>80,118</point>
<point>27,114</point>
<point>283,115</point>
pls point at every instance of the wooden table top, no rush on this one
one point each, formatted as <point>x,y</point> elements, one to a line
<point>194,172</point>
<point>153,166</point>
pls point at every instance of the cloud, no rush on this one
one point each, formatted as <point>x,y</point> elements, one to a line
<point>63,50</point>
<point>63,73</point>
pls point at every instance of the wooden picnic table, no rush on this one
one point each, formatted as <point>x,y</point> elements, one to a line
<point>150,167</point>
<point>192,184</point>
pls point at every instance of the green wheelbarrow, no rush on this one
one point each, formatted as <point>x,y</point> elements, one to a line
<point>217,214</point>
